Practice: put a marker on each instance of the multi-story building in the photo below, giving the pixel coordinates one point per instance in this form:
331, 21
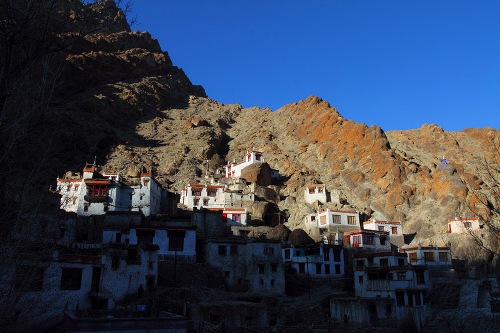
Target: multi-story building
394, 228
333, 220
323, 260
253, 265
96, 193
203, 196
386, 288
428, 255
367, 239
233, 170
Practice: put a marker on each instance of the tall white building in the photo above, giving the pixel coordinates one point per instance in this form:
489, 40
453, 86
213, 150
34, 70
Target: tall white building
97, 193
233, 170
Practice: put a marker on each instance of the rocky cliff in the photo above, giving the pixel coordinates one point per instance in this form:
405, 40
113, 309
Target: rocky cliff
121, 99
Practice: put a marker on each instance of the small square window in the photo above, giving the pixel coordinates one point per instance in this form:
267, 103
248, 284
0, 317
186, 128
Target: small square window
222, 250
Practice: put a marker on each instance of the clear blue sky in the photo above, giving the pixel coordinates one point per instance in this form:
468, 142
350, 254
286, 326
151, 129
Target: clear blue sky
393, 63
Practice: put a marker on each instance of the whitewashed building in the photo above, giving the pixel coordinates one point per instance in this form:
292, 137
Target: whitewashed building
348, 220
96, 193
461, 225
233, 170
386, 288
367, 239
203, 196
253, 265
324, 260
67, 280
394, 228
315, 192
428, 255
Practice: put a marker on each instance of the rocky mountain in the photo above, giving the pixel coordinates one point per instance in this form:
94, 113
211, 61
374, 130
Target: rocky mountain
120, 98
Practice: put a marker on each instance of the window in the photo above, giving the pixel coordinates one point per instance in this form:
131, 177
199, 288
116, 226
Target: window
351, 220
233, 250
429, 256
274, 267
443, 256
420, 276
29, 278
115, 263
326, 254
322, 219
236, 218
214, 319
272, 282
337, 269
197, 192
287, 254
360, 279
356, 240
205, 202
401, 262
336, 219
388, 310
313, 218
384, 262
97, 190
211, 192
222, 250
401, 275
336, 254
412, 257
418, 300
360, 263
196, 201
176, 240
368, 240
380, 228
382, 239
327, 269
71, 278
268, 250
318, 268
261, 268
302, 268
394, 230
400, 298
467, 225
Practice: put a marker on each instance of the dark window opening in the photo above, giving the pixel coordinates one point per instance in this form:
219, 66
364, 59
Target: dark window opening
71, 278
222, 250
400, 298
176, 240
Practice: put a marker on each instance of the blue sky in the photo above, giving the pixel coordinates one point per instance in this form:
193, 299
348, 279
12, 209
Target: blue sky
393, 63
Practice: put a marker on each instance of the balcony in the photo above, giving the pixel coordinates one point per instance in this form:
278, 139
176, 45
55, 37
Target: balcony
96, 198
390, 285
